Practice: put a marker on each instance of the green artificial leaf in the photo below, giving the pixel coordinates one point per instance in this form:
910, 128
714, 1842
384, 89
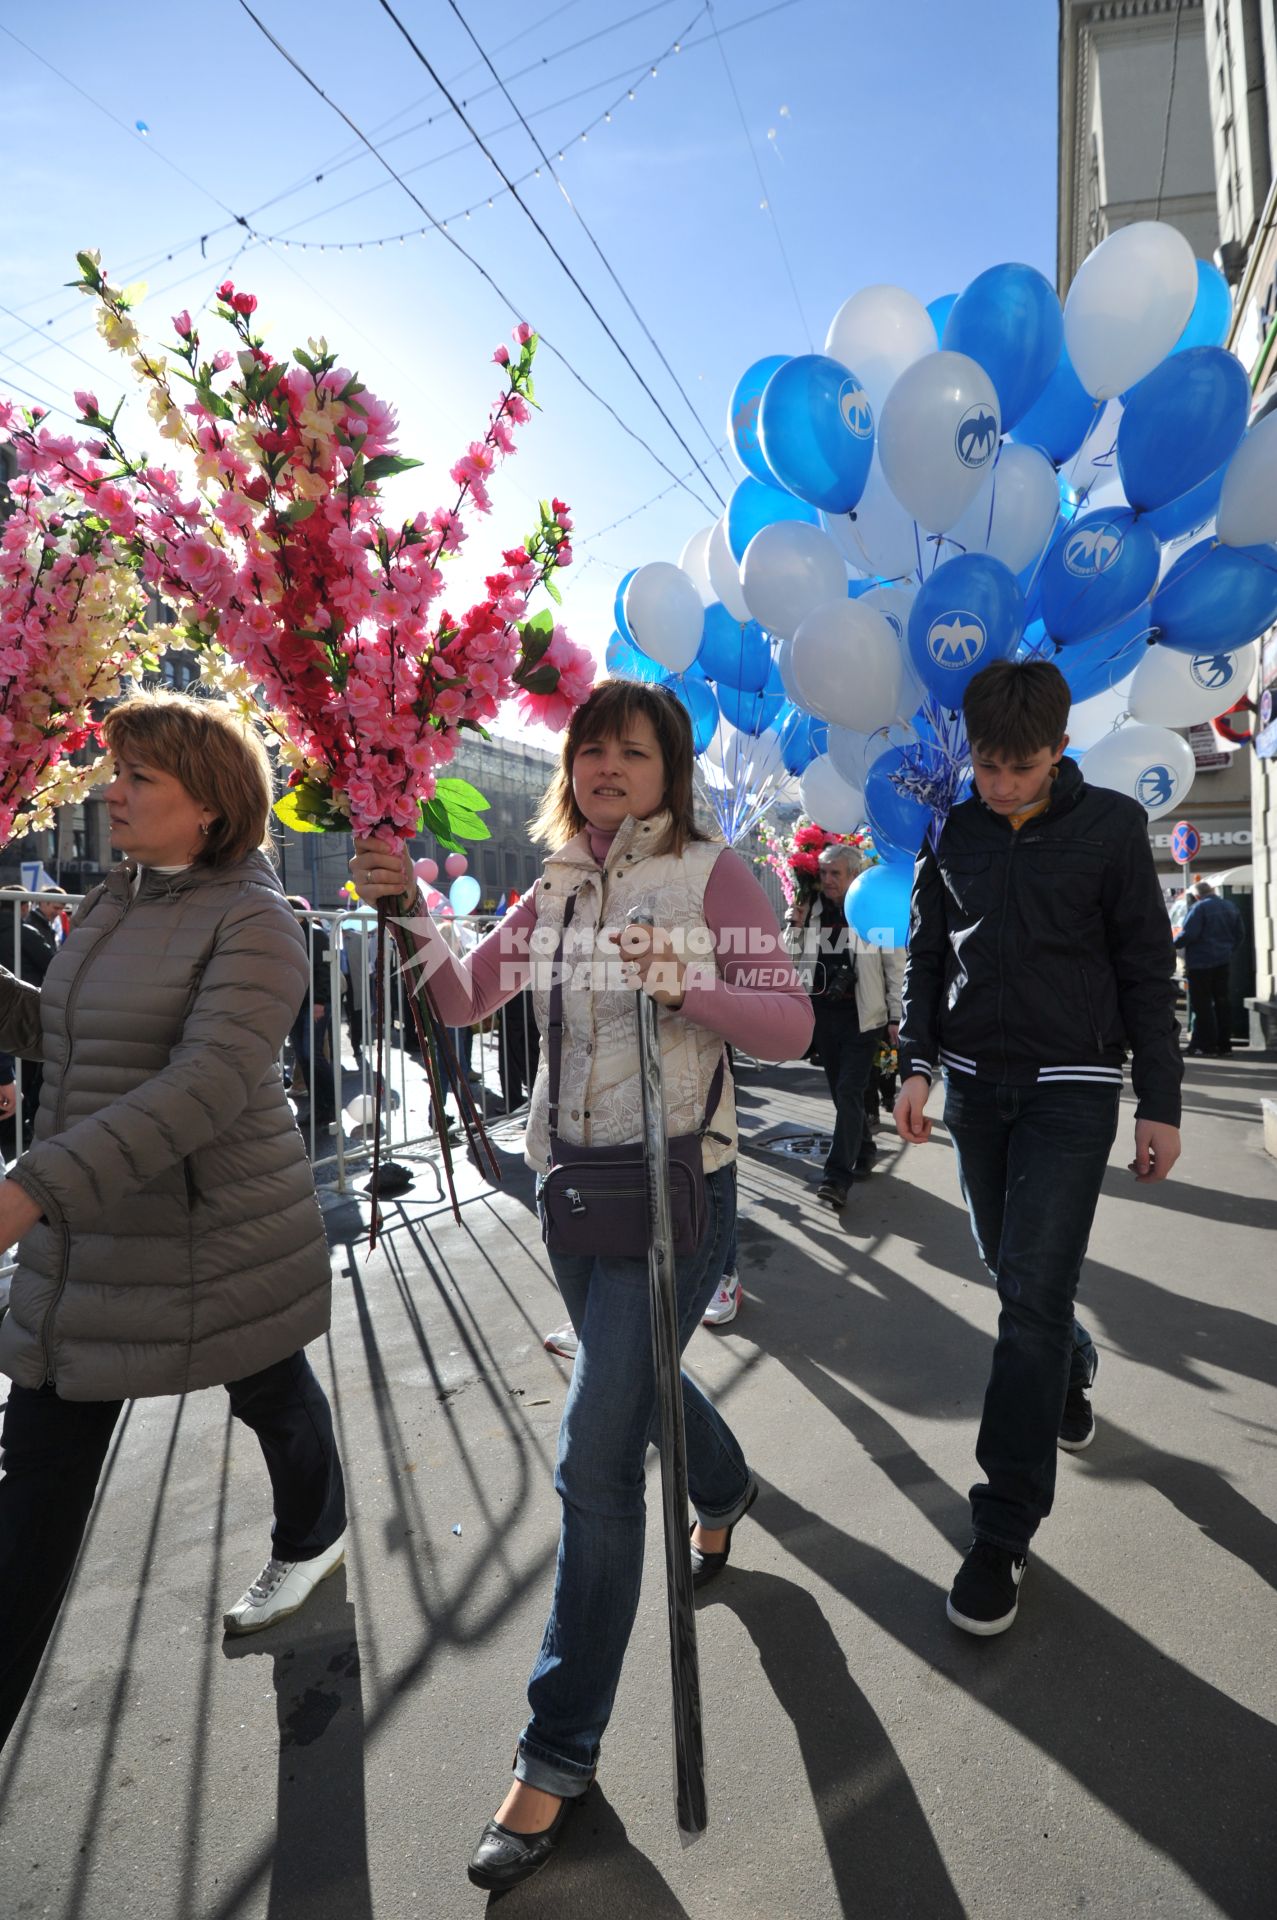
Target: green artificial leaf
308, 809
553, 591
541, 622
299, 510
303, 359
539, 680
385, 464
453, 794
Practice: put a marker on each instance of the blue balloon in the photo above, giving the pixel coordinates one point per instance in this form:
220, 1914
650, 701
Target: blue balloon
897, 820
750, 713
798, 746
1207, 325
735, 655
1097, 572
940, 309
742, 416
699, 700
618, 607
464, 894
1181, 421
966, 615
877, 905
1216, 598
1096, 665
1061, 417
1192, 510
627, 663
817, 431
1009, 321
754, 505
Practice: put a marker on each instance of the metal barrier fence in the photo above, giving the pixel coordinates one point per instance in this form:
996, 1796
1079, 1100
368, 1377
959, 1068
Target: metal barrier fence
329, 1060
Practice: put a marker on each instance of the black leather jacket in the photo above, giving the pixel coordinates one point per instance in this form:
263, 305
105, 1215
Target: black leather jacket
1044, 955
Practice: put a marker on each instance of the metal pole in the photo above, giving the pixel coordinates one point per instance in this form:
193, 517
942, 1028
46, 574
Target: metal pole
689, 1750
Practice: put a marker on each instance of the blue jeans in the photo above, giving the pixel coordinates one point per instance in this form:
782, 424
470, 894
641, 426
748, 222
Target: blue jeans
608, 1422
1031, 1161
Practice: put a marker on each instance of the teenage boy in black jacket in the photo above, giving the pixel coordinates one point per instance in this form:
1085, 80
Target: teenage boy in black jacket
1039, 952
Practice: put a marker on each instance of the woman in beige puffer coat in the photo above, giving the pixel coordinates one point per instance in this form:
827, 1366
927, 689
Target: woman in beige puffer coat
170, 1236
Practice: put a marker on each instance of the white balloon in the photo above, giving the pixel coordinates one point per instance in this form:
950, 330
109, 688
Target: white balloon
1128, 305
848, 653
788, 571
1171, 689
724, 573
877, 536
894, 603
1014, 513
1247, 515
828, 800
1150, 764
877, 334
797, 691
938, 433
1093, 719
663, 611
694, 561
1092, 472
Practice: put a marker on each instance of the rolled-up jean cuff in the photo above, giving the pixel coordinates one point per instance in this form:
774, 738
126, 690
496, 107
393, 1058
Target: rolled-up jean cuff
550, 1773
732, 1514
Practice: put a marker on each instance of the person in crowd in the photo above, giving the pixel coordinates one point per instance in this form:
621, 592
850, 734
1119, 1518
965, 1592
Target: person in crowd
37, 942
1210, 936
1039, 952
315, 1036
855, 992
170, 1235
618, 819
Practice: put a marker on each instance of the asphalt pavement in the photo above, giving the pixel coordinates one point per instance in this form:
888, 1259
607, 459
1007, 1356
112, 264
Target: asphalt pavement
1113, 1755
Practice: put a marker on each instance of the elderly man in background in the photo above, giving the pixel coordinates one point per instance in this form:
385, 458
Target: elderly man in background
855, 993
1211, 933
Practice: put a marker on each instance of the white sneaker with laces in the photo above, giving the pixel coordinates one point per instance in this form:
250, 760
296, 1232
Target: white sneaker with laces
562, 1341
281, 1588
726, 1303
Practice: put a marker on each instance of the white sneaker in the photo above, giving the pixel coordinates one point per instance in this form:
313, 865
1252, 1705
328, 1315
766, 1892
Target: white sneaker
562, 1341
281, 1588
726, 1303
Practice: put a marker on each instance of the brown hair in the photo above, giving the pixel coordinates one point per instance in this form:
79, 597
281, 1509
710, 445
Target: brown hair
1017, 707
613, 706
218, 757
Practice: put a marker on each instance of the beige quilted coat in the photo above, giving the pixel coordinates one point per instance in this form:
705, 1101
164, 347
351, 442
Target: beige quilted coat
182, 1243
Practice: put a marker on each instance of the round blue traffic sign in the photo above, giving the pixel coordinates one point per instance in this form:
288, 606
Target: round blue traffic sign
1185, 842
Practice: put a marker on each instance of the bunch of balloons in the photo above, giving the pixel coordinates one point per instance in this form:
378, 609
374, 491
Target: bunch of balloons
987, 478
463, 895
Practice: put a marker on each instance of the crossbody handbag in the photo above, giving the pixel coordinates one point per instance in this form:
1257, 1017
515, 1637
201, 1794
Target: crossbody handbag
595, 1199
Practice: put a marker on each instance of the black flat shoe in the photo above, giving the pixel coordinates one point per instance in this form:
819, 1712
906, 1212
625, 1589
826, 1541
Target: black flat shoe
503, 1857
707, 1566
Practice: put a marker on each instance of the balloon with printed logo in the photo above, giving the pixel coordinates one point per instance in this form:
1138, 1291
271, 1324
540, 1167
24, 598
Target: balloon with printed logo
897, 819
788, 571
455, 865
877, 334
734, 652
939, 311
464, 894
664, 614
724, 572
938, 434
1098, 571
847, 660
618, 606
1180, 423
828, 800
1148, 764
967, 614
1247, 514
1128, 304
749, 713
1215, 599
754, 505
1061, 417
1171, 689
1009, 321
877, 536
877, 904
742, 416
427, 871
817, 430
694, 561
1012, 516
1207, 325
702, 708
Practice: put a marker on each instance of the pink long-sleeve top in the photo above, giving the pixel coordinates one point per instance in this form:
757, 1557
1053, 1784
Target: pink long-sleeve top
750, 996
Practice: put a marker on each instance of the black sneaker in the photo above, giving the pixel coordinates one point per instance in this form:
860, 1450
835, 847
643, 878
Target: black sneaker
1077, 1424
985, 1595
831, 1193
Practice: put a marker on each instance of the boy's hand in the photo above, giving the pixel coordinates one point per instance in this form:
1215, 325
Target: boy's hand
1156, 1149
911, 1120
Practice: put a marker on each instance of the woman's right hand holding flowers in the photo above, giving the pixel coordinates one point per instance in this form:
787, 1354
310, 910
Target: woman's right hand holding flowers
379, 872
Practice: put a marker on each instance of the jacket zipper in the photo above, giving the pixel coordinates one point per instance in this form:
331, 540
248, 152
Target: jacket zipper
58, 1125
1002, 941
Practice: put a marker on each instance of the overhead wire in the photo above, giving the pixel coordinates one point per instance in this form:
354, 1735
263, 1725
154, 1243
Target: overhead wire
1170, 101
479, 268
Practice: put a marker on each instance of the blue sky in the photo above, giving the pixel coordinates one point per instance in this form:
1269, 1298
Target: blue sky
913, 143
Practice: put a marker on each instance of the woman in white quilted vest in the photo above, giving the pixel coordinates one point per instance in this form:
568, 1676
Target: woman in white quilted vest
170, 1234
619, 818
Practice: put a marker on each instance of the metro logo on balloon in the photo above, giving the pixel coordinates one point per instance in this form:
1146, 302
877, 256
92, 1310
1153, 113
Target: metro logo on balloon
1155, 786
1212, 670
977, 437
956, 640
1093, 550
853, 404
